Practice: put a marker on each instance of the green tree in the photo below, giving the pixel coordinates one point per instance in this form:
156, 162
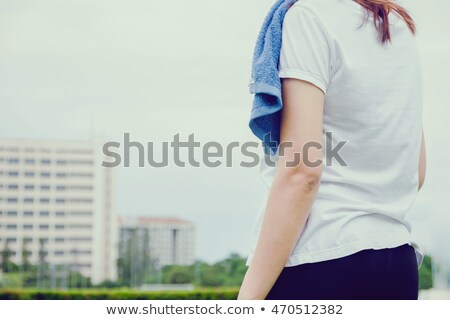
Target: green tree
176, 274
26, 265
235, 269
6, 264
213, 276
41, 273
134, 262
426, 273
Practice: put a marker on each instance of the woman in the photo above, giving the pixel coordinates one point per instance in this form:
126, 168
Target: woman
336, 229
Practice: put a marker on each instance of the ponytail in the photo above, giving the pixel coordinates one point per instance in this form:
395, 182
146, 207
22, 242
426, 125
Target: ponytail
380, 10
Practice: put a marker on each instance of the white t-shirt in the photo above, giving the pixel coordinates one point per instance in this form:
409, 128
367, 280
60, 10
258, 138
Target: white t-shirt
373, 100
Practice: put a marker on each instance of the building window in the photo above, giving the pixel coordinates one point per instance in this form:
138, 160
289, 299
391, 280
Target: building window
45, 174
11, 226
11, 200
81, 187
46, 161
80, 252
80, 239
60, 200
28, 213
60, 213
60, 175
44, 213
29, 187
81, 200
82, 162
27, 239
29, 174
82, 174
44, 200
81, 213
29, 161
81, 226
13, 173
28, 226
59, 226
43, 226
61, 162
11, 213
59, 253
81, 151
44, 240
45, 187
59, 239
11, 239
28, 200
13, 186
60, 188
13, 160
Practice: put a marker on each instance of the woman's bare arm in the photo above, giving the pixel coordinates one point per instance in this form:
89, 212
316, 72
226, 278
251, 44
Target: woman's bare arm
422, 162
293, 190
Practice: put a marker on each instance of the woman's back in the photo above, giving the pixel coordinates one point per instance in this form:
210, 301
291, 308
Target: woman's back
372, 116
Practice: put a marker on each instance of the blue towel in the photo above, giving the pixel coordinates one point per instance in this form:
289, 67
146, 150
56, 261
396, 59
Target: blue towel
265, 82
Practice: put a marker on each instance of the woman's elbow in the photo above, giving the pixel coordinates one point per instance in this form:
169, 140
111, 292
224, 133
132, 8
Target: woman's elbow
302, 178
422, 175
422, 162
422, 170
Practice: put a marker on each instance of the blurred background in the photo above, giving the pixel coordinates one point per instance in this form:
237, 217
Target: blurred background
76, 74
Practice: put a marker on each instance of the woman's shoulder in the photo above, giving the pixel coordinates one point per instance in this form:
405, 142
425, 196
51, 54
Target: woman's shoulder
330, 13
316, 6
321, 9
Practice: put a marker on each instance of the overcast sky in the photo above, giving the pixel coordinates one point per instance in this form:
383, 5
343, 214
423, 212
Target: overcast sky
157, 68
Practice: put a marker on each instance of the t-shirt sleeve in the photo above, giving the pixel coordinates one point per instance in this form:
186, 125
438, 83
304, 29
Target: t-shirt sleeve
305, 49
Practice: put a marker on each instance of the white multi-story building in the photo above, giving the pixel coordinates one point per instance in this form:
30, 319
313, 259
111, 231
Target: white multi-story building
171, 241
57, 201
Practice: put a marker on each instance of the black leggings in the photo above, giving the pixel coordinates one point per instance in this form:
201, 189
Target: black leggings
386, 274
